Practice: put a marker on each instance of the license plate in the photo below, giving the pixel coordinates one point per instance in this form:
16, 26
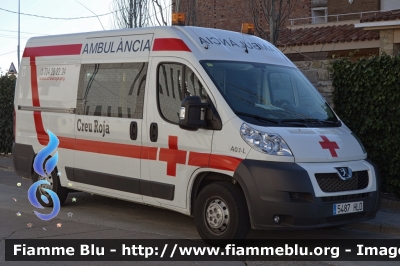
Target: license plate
342, 208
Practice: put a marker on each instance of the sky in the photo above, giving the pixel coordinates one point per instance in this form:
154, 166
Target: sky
34, 26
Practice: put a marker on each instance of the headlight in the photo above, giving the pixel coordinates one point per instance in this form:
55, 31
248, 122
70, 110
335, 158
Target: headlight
270, 143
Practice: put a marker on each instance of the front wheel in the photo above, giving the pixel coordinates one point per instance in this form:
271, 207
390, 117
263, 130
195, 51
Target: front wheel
220, 212
55, 185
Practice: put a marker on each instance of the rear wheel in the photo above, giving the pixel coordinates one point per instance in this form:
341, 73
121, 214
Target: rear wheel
55, 185
221, 213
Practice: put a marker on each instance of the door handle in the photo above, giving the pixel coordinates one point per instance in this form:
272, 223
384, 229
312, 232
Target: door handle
153, 132
133, 130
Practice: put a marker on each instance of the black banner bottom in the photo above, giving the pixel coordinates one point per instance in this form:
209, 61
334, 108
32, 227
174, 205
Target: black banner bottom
198, 250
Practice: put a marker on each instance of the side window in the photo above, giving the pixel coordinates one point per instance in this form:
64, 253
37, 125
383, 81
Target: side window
193, 85
170, 96
175, 82
114, 90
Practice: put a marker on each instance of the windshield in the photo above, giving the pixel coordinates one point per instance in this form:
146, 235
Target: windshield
264, 93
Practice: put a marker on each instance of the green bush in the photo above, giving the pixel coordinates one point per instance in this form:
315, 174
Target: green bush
7, 88
367, 99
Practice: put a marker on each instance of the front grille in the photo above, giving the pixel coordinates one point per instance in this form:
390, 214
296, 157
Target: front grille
330, 182
346, 197
345, 217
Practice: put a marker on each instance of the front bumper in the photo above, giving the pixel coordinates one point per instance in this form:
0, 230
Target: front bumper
287, 190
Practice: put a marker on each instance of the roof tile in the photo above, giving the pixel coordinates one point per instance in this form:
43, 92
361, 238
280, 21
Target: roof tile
322, 35
379, 16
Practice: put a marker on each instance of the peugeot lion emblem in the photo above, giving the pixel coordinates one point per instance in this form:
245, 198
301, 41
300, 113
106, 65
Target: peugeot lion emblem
345, 173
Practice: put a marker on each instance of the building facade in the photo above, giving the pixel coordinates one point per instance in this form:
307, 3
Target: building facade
228, 15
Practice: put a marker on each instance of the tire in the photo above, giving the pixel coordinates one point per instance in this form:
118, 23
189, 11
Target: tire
55, 185
226, 204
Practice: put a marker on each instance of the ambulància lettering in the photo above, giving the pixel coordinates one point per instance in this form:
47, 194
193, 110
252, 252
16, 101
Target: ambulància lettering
95, 127
117, 47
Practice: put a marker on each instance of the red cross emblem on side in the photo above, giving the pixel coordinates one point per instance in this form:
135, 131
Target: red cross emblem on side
172, 155
329, 145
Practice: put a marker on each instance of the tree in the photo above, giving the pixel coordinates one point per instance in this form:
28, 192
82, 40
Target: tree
161, 11
190, 7
140, 13
7, 89
270, 16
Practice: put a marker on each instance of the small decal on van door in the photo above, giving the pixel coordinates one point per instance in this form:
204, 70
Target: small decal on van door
52, 74
239, 150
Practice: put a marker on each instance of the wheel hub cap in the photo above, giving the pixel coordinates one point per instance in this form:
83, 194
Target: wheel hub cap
217, 215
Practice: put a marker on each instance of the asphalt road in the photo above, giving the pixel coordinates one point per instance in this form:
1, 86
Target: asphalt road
97, 217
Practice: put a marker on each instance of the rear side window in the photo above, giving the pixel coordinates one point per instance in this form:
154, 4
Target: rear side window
113, 90
175, 82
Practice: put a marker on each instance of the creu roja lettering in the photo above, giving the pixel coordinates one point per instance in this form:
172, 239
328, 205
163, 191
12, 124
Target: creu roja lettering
117, 47
232, 43
95, 127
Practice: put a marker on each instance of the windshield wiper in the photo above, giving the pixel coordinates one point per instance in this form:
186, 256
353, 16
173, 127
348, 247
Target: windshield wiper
260, 118
312, 121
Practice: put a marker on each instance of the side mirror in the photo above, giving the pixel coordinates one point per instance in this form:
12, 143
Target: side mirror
190, 113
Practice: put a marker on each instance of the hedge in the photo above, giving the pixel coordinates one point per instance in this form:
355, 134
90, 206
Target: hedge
367, 99
7, 88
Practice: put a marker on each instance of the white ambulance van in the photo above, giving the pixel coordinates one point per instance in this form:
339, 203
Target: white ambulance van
215, 124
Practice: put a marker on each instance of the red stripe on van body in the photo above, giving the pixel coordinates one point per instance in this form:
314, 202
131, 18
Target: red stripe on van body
66, 143
170, 44
54, 50
199, 159
215, 161
109, 148
224, 162
42, 136
101, 147
34, 84
149, 153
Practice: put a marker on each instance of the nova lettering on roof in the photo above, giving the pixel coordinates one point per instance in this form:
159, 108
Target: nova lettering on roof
236, 43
